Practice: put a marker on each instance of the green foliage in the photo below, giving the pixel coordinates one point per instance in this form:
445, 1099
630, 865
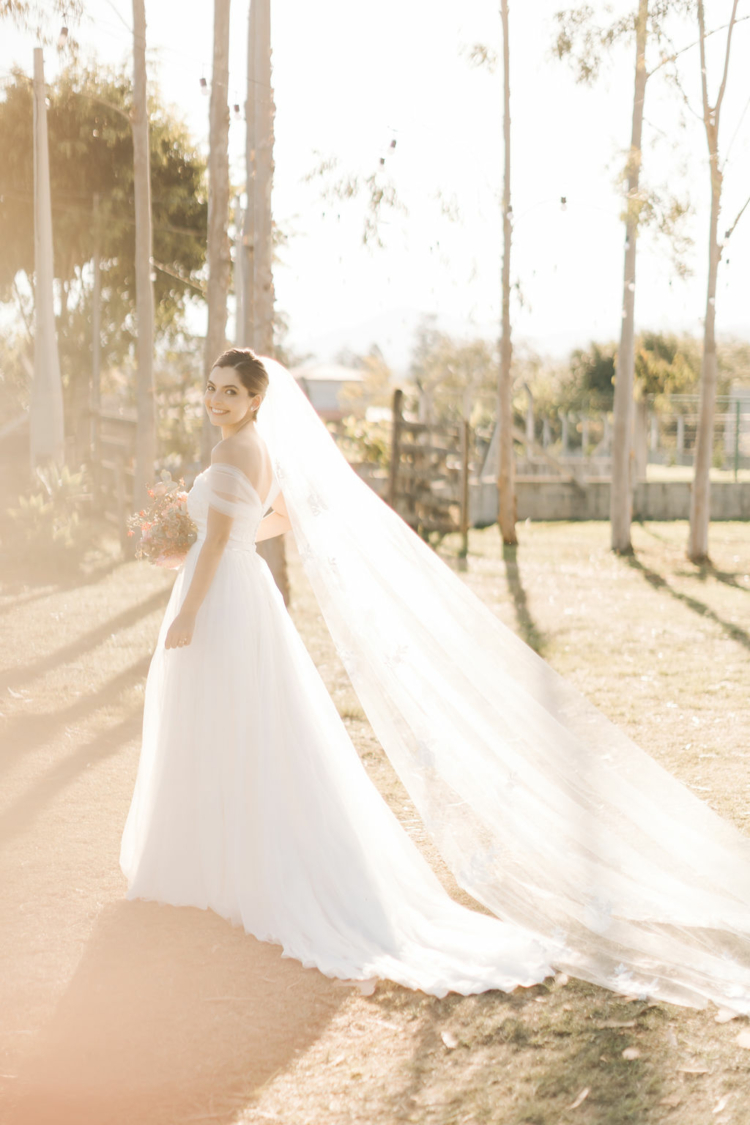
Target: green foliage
666, 365
51, 523
379, 193
91, 154
360, 440
16, 361
450, 371
179, 399
375, 389
592, 376
37, 15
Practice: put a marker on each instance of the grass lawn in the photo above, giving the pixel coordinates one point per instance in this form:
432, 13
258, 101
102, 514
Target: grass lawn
119, 1012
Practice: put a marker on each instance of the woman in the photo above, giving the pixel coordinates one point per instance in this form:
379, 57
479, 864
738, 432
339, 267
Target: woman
250, 798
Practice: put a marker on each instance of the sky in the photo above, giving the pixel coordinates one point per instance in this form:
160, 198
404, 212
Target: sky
349, 79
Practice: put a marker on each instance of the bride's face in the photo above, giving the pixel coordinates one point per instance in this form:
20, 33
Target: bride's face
227, 401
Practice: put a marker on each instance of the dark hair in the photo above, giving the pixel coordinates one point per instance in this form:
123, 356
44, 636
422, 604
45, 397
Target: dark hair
250, 369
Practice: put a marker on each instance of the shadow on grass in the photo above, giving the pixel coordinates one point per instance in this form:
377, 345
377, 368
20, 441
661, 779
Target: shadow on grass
173, 1014
703, 570
527, 627
33, 801
727, 577
659, 582
526, 1063
88, 641
23, 734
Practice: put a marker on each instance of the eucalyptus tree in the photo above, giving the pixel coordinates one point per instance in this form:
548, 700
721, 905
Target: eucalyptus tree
506, 488
257, 305
145, 435
218, 207
585, 42
700, 496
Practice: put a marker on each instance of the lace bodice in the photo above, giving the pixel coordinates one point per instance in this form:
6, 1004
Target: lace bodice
230, 491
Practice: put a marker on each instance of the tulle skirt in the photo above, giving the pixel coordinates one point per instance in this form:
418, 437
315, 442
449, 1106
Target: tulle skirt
251, 800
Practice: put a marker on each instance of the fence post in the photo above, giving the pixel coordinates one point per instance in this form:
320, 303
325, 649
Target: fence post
465, 440
737, 441
398, 396
120, 504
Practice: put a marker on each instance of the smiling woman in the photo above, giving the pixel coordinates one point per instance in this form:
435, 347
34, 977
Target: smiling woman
234, 391
250, 797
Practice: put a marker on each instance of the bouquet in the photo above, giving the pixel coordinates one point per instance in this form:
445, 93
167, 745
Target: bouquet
166, 529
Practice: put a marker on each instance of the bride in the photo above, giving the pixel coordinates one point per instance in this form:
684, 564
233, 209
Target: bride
251, 799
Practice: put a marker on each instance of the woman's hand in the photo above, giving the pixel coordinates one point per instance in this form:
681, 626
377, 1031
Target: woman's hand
180, 632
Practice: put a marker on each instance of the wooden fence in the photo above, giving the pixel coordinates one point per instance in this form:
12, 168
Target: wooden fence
430, 467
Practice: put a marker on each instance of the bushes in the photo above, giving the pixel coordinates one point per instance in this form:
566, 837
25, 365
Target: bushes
51, 528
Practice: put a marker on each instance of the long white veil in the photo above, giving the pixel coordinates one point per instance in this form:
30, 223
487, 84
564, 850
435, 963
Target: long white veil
545, 811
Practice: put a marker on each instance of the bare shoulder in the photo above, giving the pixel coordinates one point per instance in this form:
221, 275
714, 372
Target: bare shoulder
244, 455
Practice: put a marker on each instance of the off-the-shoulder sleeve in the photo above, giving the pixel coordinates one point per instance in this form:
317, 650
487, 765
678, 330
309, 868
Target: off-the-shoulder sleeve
229, 491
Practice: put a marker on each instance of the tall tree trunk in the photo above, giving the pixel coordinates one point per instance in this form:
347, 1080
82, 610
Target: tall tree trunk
700, 500
246, 262
272, 550
218, 209
95, 398
46, 415
621, 494
506, 487
145, 441
264, 137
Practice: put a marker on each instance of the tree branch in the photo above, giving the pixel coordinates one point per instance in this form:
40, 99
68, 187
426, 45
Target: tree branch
728, 233
723, 86
704, 74
671, 58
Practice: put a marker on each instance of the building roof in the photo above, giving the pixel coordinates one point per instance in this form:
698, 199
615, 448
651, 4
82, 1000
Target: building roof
327, 373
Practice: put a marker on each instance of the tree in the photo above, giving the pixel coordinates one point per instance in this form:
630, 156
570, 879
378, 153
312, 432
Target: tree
585, 42
700, 498
46, 424
245, 263
449, 370
263, 181
35, 15
260, 182
620, 505
145, 434
91, 155
506, 465
218, 207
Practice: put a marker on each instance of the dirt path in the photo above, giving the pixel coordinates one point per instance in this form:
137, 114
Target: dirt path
115, 1012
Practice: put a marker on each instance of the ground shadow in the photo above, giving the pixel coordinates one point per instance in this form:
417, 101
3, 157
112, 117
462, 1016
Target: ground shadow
29, 585
77, 648
527, 627
727, 577
535, 1069
703, 570
173, 1015
659, 582
33, 801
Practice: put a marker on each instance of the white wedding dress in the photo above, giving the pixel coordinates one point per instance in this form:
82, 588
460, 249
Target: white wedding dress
251, 798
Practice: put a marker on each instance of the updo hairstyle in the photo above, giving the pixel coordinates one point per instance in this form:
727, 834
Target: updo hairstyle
250, 369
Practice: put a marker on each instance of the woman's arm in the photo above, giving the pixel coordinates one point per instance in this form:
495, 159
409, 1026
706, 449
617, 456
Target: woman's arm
276, 523
218, 527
